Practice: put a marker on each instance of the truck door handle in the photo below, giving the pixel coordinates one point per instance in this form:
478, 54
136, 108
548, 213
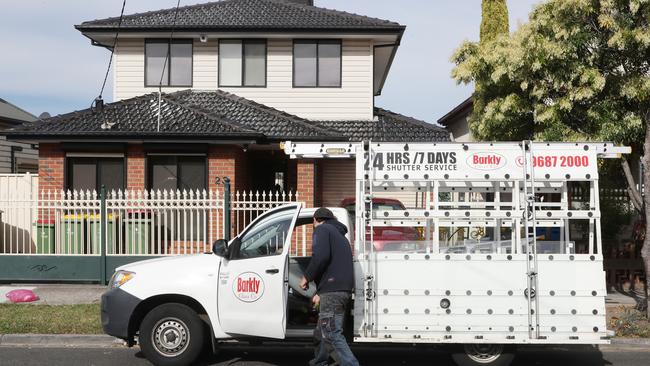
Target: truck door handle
272, 271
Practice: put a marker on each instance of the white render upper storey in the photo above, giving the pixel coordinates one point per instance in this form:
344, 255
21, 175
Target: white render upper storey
314, 63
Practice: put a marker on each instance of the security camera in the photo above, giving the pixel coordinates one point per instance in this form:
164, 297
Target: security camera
203, 38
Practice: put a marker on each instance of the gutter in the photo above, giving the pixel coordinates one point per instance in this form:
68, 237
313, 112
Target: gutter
377, 30
390, 60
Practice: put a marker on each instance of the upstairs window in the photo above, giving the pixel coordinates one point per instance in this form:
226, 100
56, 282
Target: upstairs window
317, 63
177, 71
242, 63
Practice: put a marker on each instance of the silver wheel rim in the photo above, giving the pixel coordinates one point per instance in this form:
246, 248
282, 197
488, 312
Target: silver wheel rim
484, 353
170, 337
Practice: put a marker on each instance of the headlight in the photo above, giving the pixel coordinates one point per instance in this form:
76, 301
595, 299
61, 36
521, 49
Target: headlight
120, 278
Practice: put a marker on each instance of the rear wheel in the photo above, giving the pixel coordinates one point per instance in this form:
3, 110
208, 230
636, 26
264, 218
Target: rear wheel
484, 354
171, 335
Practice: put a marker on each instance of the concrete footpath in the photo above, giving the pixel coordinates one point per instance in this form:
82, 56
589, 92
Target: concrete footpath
71, 294
60, 340
58, 294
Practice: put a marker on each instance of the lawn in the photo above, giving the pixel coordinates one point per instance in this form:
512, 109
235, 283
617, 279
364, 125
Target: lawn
50, 319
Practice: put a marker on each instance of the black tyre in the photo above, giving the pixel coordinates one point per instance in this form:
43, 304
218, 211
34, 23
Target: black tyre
484, 354
172, 335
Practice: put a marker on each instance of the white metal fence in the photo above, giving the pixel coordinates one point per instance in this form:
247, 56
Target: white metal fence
137, 223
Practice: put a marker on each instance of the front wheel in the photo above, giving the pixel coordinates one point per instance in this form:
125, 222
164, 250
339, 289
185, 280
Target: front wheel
484, 354
171, 335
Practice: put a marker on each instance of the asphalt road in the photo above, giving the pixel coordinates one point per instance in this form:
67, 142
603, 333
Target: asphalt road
274, 355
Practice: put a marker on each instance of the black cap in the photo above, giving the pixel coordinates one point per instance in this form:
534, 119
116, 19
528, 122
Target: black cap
323, 213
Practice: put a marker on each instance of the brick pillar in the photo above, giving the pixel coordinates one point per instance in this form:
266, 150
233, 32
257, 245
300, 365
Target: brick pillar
305, 178
135, 160
51, 167
231, 162
51, 170
305, 174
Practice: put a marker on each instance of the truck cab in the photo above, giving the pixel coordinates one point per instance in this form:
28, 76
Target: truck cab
247, 288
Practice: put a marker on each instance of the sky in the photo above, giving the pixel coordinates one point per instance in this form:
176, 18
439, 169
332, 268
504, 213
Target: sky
48, 66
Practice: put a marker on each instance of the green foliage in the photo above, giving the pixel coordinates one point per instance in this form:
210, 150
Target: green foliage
579, 70
494, 20
630, 323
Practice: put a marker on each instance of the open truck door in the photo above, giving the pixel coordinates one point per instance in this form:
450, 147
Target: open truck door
253, 281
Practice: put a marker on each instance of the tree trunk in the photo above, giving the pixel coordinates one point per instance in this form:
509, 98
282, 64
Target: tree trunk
645, 250
635, 195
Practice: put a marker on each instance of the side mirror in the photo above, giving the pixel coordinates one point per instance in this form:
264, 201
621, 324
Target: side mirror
220, 248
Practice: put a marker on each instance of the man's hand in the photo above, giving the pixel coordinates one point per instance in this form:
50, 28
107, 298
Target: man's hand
304, 284
315, 300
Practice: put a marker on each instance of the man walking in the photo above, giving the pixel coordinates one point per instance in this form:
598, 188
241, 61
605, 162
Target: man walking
332, 270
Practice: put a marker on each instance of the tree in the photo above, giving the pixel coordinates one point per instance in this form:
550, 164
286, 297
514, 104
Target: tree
494, 24
578, 70
494, 19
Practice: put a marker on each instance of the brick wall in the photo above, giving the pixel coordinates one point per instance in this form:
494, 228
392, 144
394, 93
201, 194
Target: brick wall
51, 167
305, 174
306, 179
227, 161
135, 168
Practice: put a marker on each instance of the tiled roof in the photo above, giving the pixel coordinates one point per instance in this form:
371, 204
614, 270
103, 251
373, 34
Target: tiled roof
219, 115
388, 127
245, 14
210, 114
251, 116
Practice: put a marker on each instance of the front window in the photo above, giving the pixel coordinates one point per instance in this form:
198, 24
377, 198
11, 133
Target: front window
242, 63
169, 67
91, 173
173, 172
317, 63
267, 236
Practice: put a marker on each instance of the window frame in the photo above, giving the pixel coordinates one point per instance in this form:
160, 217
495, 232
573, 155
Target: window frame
169, 61
339, 42
235, 248
243, 42
149, 168
68, 171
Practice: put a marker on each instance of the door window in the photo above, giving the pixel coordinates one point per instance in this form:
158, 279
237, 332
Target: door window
267, 236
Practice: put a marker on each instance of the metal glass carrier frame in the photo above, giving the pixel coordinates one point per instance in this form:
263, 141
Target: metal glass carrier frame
522, 289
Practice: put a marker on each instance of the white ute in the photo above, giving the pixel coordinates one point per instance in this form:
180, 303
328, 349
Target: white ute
497, 263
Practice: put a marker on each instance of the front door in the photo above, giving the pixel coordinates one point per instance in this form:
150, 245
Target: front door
253, 282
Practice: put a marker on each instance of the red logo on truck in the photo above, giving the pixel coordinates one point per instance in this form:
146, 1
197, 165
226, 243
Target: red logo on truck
486, 161
248, 287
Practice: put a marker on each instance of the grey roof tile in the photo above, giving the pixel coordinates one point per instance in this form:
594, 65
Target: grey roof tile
188, 113
220, 115
245, 14
388, 127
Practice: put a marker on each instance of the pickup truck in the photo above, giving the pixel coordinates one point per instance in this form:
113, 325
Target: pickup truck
245, 289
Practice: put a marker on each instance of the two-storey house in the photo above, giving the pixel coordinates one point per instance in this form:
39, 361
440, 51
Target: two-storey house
237, 78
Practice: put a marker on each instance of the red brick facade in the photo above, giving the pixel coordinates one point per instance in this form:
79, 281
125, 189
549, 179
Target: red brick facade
135, 165
51, 167
305, 174
223, 161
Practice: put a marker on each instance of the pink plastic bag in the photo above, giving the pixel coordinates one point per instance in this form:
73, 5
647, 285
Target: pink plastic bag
22, 296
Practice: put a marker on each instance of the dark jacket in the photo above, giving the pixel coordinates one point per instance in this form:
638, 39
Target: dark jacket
331, 262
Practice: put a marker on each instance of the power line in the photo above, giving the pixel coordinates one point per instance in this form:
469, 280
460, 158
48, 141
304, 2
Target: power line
167, 56
110, 60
